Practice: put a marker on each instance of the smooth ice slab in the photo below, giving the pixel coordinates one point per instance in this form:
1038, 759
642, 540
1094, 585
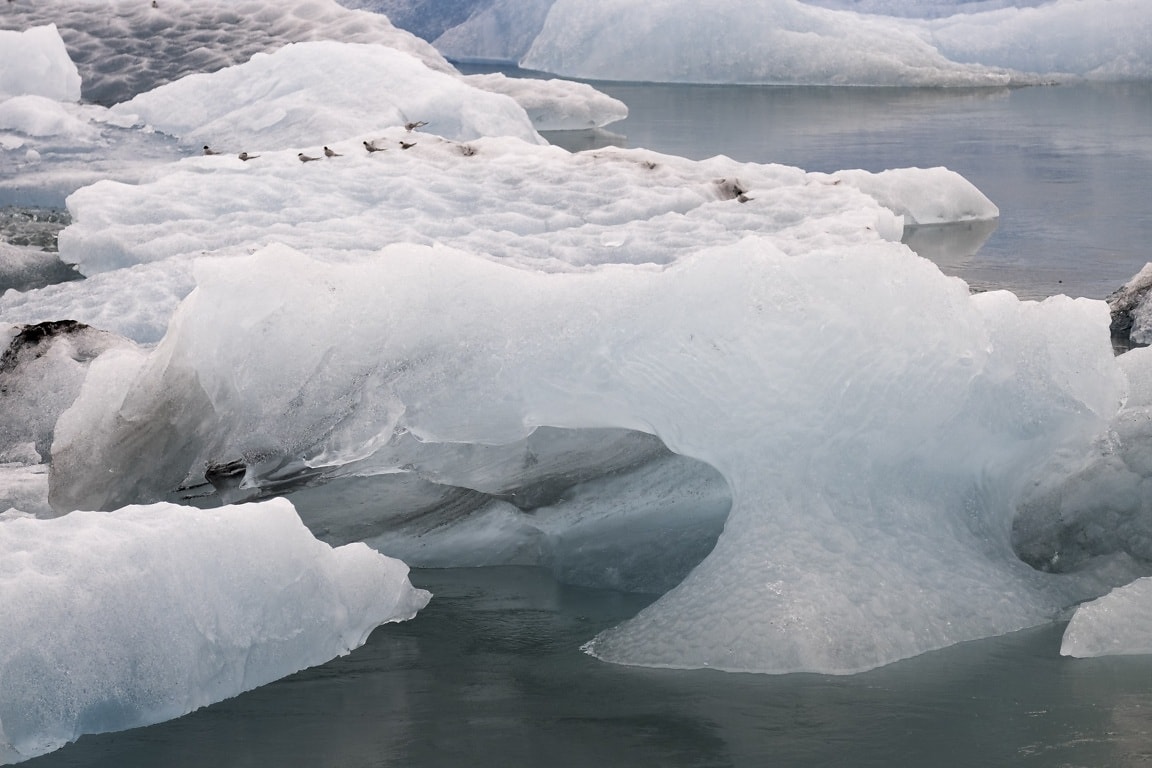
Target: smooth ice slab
115, 620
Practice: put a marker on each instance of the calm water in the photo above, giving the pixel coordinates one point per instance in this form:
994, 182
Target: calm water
490, 674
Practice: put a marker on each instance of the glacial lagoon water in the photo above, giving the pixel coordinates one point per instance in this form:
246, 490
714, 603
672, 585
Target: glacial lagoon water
491, 673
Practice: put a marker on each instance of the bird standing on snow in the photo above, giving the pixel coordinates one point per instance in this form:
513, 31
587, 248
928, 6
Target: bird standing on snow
306, 158
330, 153
371, 147
407, 144
246, 157
209, 151
413, 126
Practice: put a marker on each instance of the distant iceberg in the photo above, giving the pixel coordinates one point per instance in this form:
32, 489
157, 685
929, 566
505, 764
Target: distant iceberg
833, 42
116, 620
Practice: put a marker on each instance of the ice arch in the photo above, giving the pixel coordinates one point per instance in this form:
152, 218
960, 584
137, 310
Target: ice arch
874, 420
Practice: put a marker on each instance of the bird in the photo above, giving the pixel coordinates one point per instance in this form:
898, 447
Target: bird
330, 153
371, 147
412, 126
306, 158
209, 151
407, 144
245, 156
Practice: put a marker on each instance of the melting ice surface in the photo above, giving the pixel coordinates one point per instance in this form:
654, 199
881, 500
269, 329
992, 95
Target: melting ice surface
790, 41
115, 620
434, 346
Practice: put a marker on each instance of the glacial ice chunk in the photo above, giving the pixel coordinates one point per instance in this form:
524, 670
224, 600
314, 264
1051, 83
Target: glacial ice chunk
321, 92
868, 413
1119, 623
35, 63
115, 620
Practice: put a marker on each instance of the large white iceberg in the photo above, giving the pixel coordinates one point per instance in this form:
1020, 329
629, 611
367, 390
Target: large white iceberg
866, 412
115, 620
789, 41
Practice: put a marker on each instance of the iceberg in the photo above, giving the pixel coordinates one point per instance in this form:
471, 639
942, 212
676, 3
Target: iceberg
1119, 623
116, 620
870, 454
34, 62
818, 43
313, 93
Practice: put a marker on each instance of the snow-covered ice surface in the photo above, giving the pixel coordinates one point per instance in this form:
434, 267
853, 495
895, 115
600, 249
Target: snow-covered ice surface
116, 620
828, 43
1119, 623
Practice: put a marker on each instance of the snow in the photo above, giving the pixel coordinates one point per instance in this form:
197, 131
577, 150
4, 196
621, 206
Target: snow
115, 620
828, 43
1119, 623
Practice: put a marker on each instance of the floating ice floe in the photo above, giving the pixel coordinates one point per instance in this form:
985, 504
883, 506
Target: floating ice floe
536, 206
116, 620
555, 105
314, 93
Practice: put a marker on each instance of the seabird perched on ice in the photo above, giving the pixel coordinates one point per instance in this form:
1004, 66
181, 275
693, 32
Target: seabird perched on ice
209, 151
330, 153
371, 147
407, 144
306, 158
413, 126
245, 156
